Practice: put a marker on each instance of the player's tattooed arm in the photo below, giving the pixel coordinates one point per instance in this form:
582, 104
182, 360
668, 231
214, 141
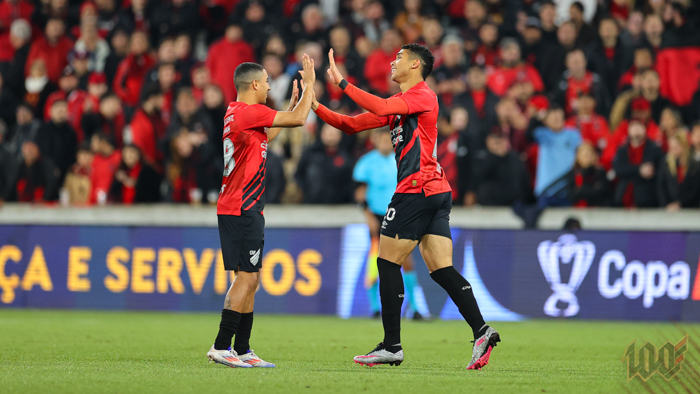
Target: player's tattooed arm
374, 104
298, 115
274, 131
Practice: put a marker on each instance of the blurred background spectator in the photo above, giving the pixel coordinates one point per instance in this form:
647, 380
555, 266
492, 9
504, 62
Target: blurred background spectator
83, 82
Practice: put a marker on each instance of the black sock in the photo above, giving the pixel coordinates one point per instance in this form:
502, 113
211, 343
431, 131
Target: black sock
461, 293
242, 342
391, 294
227, 328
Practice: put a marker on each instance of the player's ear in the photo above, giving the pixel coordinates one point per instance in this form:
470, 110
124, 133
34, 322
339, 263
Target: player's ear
255, 84
415, 63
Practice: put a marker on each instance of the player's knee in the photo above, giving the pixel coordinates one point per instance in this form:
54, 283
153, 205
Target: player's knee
249, 280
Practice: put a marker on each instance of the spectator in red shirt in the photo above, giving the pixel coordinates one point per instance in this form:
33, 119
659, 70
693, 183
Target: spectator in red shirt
53, 49
135, 181
641, 112
148, 130
636, 165
104, 166
486, 54
576, 81
643, 60
512, 68
588, 182
378, 64
225, 55
131, 71
593, 127
66, 84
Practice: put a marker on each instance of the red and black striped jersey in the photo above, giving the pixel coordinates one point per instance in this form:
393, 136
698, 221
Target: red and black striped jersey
245, 153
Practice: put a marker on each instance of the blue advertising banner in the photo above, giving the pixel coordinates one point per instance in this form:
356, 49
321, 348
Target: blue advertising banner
515, 275
160, 269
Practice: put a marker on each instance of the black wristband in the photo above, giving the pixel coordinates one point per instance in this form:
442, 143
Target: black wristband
343, 84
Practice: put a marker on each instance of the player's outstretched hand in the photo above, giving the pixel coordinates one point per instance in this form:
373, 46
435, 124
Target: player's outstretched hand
314, 102
334, 75
295, 95
309, 73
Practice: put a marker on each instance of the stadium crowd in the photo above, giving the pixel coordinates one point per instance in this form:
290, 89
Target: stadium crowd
591, 103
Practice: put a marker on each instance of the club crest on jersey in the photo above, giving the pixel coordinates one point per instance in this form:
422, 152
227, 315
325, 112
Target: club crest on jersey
255, 256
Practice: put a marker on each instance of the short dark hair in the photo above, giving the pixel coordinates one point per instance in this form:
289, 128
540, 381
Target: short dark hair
579, 5
245, 74
427, 60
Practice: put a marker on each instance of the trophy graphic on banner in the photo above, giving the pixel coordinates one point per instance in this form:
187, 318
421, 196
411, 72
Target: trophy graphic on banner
567, 250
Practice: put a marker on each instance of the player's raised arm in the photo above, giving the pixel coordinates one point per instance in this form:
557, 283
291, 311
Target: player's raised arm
368, 101
348, 124
298, 115
293, 101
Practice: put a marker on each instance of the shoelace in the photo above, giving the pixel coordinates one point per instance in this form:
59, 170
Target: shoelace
379, 347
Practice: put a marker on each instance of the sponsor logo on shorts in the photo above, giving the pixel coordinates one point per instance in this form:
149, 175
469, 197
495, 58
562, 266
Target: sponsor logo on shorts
255, 256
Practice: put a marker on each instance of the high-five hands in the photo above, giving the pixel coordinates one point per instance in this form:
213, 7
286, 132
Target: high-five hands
308, 72
334, 75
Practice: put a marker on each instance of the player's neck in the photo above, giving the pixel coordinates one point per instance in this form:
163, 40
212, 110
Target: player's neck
247, 98
411, 82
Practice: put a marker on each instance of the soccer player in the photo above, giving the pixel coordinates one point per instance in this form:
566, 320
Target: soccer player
248, 126
376, 173
420, 208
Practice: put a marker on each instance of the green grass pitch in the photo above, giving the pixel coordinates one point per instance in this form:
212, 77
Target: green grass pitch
151, 352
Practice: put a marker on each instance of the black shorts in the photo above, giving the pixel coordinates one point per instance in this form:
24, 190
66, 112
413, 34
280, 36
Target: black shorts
242, 241
411, 216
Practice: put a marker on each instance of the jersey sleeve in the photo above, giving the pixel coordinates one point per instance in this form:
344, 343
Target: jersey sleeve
351, 124
419, 100
362, 170
255, 116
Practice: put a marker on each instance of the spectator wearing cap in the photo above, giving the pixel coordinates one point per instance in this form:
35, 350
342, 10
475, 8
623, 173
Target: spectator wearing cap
95, 46
608, 56
77, 185
32, 177
378, 64
587, 182
104, 165
8, 103
511, 68
148, 130
487, 52
640, 111
480, 103
679, 175
636, 166
593, 127
449, 77
135, 182
132, 70
56, 138
53, 49
576, 81
13, 68
38, 87
500, 176
108, 119
225, 55
556, 157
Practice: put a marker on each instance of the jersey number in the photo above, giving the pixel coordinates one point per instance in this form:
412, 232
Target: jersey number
229, 162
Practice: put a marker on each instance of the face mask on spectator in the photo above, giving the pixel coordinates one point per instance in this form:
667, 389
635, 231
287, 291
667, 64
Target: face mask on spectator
35, 84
